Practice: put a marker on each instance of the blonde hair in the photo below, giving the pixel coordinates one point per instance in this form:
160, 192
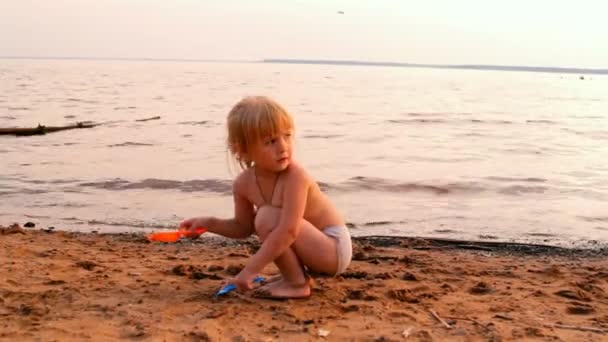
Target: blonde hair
252, 119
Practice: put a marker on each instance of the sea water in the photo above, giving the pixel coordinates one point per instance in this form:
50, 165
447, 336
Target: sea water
463, 154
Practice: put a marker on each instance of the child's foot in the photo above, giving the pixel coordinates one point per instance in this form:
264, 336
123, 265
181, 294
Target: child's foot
277, 277
281, 289
272, 279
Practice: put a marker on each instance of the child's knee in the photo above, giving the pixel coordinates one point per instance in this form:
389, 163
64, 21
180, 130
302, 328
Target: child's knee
266, 219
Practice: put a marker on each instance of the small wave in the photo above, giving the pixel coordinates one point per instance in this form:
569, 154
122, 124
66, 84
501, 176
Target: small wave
415, 121
353, 225
37, 216
471, 134
352, 185
549, 122
520, 189
381, 223
52, 181
422, 114
60, 205
324, 186
72, 99
437, 188
125, 108
420, 120
63, 181
587, 117
208, 185
514, 179
445, 231
447, 217
119, 224
576, 99
445, 160
194, 123
8, 117
598, 135
541, 234
522, 151
322, 136
570, 130
594, 218
379, 184
500, 122
18, 108
130, 143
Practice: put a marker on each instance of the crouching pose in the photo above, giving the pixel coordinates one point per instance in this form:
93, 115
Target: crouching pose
275, 198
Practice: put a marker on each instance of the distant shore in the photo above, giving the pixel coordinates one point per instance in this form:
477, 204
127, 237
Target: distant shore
521, 68
562, 70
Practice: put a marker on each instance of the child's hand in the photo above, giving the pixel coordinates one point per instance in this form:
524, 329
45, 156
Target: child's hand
244, 280
192, 223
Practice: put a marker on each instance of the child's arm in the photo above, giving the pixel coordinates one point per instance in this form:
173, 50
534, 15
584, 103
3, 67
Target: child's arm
230, 228
239, 227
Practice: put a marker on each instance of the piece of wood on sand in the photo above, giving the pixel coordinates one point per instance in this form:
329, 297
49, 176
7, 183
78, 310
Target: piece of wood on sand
437, 317
41, 129
574, 327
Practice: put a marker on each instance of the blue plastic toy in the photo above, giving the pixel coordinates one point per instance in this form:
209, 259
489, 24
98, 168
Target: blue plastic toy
231, 287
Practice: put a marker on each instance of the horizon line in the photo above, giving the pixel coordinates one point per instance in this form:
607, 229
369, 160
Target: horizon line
496, 67
346, 62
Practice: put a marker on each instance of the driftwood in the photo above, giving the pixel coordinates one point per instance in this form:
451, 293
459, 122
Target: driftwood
41, 129
441, 320
574, 327
148, 119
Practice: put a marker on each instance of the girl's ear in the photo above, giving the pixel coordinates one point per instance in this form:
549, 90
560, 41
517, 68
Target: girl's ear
239, 152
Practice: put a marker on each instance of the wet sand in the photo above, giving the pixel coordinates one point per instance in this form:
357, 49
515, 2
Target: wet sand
73, 286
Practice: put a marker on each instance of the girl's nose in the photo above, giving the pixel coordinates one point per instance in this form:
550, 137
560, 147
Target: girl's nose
282, 143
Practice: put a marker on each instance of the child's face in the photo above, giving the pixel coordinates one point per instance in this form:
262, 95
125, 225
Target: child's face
273, 153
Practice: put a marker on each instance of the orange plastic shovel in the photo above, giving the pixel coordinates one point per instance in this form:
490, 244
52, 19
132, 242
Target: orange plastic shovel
176, 235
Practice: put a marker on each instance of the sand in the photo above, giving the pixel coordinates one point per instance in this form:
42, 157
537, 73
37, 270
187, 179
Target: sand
74, 286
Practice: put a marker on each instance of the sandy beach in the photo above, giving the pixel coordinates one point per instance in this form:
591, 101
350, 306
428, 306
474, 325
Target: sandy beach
63, 286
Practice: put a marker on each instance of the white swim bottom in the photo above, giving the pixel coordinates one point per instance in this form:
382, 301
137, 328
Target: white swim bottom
344, 246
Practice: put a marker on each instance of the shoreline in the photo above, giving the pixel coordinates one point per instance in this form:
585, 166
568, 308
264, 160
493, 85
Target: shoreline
565, 246
85, 286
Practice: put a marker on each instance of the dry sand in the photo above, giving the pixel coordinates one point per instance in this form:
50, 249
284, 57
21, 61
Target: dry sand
73, 287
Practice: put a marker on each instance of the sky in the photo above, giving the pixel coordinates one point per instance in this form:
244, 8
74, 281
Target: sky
564, 33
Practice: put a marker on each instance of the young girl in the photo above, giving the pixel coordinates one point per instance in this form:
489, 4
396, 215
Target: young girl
275, 198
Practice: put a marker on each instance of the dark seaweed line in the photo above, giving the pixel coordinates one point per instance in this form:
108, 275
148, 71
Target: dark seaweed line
493, 246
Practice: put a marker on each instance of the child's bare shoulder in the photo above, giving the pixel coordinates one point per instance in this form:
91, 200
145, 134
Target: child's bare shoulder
241, 182
297, 173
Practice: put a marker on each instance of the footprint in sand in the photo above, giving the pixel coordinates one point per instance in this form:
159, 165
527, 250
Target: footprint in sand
580, 309
481, 288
